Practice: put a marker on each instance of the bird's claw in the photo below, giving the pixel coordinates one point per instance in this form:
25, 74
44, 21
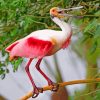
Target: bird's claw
36, 92
55, 87
35, 95
40, 90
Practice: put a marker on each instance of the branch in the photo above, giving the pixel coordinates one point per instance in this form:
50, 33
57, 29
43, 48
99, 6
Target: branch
28, 95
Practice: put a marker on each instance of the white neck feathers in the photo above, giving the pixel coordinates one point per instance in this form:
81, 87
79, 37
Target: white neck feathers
66, 28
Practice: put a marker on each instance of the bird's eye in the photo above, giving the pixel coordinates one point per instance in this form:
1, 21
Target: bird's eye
53, 10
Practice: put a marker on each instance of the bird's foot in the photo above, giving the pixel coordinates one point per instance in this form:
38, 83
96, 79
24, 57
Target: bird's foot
55, 86
36, 92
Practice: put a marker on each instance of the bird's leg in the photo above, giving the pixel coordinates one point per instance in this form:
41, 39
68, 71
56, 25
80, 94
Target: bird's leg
36, 90
55, 86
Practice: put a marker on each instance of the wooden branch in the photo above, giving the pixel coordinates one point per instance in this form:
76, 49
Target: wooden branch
28, 95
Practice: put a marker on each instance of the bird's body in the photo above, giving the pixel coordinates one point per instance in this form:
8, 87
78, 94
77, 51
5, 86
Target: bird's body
41, 43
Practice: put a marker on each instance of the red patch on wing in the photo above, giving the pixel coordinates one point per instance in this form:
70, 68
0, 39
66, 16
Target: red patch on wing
37, 42
9, 48
40, 47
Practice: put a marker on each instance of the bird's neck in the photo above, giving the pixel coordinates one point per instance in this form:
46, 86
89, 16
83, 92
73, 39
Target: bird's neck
66, 28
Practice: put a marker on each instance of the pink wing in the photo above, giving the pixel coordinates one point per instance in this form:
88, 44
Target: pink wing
30, 48
9, 48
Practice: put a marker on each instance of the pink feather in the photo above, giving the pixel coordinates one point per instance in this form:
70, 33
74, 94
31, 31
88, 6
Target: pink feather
9, 48
30, 48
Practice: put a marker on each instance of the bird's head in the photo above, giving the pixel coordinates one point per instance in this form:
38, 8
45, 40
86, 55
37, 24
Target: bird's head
60, 13
56, 12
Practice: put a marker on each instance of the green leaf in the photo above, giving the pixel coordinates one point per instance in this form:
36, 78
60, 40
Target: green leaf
91, 25
14, 32
93, 48
2, 71
97, 32
16, 64
83, 39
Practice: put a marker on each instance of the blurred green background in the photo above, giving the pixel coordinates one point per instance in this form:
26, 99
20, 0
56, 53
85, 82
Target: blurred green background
19, 18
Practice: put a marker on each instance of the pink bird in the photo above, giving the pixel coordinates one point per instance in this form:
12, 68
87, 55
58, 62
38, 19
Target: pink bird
43, 43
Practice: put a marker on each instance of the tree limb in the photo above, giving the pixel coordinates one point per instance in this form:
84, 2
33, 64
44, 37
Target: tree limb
28, 95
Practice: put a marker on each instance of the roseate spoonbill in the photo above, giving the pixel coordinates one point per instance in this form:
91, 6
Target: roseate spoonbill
43, 43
